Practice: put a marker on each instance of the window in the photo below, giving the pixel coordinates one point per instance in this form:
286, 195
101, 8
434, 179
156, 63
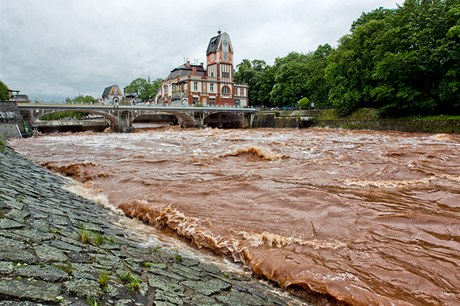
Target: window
212, 74
211, 87
212, 101
195, 86
226, 75
225, 90
195, 100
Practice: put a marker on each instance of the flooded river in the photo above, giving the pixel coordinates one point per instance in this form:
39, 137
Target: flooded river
365, 217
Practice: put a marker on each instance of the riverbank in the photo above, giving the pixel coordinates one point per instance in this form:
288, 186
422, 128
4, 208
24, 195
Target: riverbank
59, 248
362, 119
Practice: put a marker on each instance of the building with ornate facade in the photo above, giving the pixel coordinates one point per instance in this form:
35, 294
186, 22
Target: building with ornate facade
112, 94
213, 85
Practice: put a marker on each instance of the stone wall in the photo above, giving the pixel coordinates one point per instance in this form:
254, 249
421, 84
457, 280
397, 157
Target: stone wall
9, 130
10, 120
407, 125
9, 112
306, 120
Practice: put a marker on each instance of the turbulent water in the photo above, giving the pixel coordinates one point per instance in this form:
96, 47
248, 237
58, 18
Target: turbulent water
365, 217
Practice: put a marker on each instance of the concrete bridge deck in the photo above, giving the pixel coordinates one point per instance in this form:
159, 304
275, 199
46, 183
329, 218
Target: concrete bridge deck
121, 117
58, 106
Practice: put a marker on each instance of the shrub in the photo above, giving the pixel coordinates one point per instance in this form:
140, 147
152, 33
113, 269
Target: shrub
304, 103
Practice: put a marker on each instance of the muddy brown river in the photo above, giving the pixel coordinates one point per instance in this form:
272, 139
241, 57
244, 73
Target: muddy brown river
366, 217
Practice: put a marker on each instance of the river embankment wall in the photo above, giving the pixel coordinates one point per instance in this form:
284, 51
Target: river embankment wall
306, 120
60, 248
10, 120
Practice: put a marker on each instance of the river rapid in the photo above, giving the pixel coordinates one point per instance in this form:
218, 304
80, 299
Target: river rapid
367, 217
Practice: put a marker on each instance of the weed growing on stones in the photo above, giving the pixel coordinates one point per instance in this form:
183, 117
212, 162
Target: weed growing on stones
98, 238
147, 264
68, 268
103, 279
57, 232
2, 145
93, 302
87, 236
134, 282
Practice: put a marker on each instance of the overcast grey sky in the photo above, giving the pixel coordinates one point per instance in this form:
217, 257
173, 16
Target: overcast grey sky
53, 49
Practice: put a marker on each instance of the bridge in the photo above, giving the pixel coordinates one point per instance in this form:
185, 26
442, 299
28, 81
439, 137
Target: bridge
121, 117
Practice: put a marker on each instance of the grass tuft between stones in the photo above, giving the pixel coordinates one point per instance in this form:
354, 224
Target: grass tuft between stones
103, 279
66, 267
134, 282
88, 236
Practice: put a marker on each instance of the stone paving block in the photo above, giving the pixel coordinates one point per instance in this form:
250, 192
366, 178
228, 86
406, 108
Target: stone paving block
240, 298
33, 290
207, 287
34, 235
17, 254
41, 225
84, 288
204, 300
46, 273
165, 285
167, 274
6, 267
9, 224
23, 303
66, 246
162, 296
186, 272
17, 215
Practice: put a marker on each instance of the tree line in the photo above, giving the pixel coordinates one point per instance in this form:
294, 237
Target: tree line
404, 61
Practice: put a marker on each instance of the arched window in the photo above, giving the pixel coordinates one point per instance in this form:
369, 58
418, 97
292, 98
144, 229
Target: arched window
225, 90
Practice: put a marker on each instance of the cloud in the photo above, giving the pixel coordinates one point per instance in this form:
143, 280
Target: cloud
58, 48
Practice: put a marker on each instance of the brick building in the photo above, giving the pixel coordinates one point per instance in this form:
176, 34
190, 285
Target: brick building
213, 85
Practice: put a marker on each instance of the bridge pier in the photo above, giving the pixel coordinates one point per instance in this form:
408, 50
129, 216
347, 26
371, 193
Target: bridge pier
125, 121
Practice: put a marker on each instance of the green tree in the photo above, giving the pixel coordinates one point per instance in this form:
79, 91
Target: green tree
258, 76
414, 75
291, 78
136, 87
4, 94
404, 61
143, 89
317, 87
350, 67
80, 99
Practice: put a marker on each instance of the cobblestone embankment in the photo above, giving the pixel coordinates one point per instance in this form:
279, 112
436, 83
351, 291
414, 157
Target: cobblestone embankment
59, 248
